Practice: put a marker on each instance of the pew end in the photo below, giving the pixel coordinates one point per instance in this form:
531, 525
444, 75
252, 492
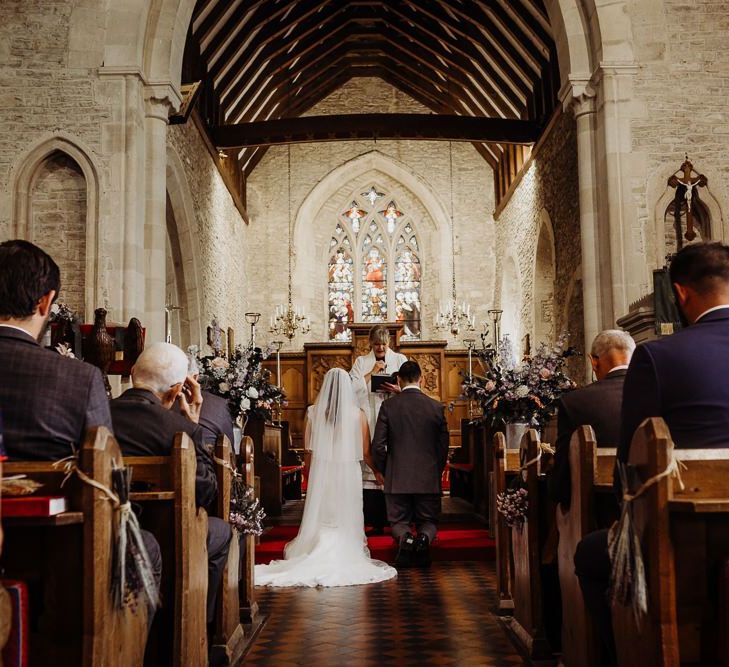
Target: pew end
169, 511
681, 531
230, 639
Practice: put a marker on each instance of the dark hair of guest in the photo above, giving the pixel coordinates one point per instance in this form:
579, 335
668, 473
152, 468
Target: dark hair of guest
702, 266
409, 372
26, 274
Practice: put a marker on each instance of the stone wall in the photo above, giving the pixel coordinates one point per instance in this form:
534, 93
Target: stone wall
681, 107
212, 239
545, 202
325, 177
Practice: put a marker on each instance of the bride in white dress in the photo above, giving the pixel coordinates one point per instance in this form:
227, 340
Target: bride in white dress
331, 548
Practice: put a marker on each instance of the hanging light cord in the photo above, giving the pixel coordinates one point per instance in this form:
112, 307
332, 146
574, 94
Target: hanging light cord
288, 198
453, 233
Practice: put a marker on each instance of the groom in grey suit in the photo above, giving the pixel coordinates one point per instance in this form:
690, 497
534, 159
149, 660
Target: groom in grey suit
411, 446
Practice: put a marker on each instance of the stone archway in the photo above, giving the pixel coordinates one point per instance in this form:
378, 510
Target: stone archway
183, 275
25, 176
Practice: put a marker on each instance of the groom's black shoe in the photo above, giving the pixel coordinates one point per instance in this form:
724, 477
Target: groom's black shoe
405, 552
421, 551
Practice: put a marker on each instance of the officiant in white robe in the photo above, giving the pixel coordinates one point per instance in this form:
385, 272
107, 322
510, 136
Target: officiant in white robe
380, 360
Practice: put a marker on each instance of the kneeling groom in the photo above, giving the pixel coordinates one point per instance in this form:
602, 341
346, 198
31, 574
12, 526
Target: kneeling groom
411, 446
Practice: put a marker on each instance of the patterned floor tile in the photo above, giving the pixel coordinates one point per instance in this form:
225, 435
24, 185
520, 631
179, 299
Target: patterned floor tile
439, 616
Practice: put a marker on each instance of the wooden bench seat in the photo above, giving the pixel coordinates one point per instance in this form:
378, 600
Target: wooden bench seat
70, 557
169, 511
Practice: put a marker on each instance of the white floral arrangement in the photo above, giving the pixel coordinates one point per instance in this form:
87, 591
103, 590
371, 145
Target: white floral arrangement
241, 380
520, 392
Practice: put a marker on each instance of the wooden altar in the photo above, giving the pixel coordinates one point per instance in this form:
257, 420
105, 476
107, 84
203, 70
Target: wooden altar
302, 374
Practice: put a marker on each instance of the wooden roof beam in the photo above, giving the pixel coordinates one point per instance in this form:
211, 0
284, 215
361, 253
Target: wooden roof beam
344, 127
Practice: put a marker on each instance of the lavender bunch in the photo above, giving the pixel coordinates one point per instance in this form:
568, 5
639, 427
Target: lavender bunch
246, 514
512, 504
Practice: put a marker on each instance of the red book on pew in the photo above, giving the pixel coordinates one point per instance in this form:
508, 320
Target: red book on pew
33, 506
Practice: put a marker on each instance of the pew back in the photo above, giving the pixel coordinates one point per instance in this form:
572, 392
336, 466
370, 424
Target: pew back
229, 635
248, 604
170, 512
109, 635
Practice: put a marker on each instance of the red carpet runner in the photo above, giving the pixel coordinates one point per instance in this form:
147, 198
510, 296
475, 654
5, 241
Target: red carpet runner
455, 541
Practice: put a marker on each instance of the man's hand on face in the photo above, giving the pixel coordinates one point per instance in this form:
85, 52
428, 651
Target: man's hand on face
191, 399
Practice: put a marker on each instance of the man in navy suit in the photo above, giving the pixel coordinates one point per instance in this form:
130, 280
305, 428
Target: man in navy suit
682, 378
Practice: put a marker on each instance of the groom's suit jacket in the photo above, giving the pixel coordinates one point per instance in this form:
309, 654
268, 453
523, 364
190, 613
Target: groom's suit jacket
411, 443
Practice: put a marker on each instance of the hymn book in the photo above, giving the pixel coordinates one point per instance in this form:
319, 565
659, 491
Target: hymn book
33, 506
376, 381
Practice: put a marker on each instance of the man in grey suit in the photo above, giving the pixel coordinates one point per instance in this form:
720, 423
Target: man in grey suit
411, 446
47, 401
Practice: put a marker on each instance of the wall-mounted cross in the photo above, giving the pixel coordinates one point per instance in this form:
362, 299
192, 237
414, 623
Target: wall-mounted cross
688, 179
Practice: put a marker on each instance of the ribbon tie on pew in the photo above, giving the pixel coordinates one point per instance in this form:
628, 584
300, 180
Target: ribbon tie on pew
627, 576
138, 576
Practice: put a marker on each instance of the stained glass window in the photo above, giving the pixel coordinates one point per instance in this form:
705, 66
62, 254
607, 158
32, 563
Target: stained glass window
366, 247
341, 293
374, 286
407, 292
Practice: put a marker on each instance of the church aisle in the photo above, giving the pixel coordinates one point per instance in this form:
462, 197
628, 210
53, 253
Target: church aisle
439, 616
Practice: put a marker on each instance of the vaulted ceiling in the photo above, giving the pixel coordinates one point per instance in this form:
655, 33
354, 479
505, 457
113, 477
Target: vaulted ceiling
270, 59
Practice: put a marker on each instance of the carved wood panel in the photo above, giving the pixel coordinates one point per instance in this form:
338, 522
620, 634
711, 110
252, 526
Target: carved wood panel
430, 367
319, 365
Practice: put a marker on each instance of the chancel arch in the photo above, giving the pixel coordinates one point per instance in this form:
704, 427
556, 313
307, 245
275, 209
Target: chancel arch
55, 204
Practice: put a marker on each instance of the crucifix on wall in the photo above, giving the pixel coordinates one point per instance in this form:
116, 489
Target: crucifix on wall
685, 180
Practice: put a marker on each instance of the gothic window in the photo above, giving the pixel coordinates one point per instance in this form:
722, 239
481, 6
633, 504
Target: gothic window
374, 267
341, 287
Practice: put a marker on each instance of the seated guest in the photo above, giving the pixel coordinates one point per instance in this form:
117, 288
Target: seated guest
681, 378
145, 426
47, 401
215, 416
597, 405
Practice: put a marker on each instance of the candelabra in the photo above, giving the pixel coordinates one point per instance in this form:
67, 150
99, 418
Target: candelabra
287, 320
252, 319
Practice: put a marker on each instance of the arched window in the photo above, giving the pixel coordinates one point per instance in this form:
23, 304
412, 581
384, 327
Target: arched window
374, 267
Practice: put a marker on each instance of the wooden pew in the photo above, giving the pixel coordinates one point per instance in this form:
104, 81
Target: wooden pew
685, 539
590, 468
527, 623
230, 637
169, 511
248, 604
72, 554
506, 462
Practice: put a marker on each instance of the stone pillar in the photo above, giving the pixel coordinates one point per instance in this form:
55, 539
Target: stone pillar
627, 255
580, 97
157, 110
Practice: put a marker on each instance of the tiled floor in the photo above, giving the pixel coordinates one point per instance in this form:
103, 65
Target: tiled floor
438, 616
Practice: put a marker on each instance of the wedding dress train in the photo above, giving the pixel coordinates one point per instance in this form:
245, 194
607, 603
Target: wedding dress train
330, 548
